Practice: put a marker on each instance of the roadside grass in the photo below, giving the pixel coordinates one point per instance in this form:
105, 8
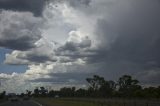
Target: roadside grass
2, 100
64, 102
96, 102
78, 102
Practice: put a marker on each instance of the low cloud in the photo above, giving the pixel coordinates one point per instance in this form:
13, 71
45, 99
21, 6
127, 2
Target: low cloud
19, 31
34, 6
32, 56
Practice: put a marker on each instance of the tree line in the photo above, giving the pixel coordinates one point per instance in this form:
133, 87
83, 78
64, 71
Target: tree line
98, 87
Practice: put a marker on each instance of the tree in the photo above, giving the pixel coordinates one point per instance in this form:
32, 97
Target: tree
95, 83
22, 95
43, 91
28, 92
107, 88
158, 91
150, 92
127, 85
2, 95
99, 87
81, 93
36, 91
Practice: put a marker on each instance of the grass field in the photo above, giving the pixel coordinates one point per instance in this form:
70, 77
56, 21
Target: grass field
64, 102
95, 102
2, 100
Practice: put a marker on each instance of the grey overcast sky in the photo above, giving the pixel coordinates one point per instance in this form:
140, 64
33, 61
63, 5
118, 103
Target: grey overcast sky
61, 42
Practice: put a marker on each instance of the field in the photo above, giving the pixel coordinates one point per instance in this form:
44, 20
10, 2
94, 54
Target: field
95, 102
2, 100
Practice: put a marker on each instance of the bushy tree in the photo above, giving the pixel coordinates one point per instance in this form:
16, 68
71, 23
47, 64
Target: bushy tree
43, 91
36, 92
67, 92
95, 83
81, 93
28, 93
2, 95
99, 87
107, 88
128, 85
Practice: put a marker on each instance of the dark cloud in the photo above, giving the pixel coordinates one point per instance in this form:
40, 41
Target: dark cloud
129, 42
128, 38
75, 46
32, 56
38, 58
77, 3
150, 77
35, 6
135, 38
23, 43
73, 50
62, 78
19, 31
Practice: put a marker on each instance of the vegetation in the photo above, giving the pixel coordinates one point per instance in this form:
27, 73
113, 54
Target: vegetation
2, 95
98, 87
125, 92
96, 102
65, 102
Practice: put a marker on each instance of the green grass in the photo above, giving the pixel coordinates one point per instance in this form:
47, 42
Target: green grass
64, 102
96, 102
2, 100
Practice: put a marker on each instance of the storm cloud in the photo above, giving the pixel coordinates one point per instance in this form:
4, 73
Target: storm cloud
34, 6
19, 31
127, 36
134, 35
105, 37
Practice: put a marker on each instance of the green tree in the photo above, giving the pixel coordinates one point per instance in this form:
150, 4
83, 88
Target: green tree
158, 91
151, 92
43, 91
28, 92
128, 85
81, 93
95, 83
107, 88
2, 95
67, 92
99, 87
36, 92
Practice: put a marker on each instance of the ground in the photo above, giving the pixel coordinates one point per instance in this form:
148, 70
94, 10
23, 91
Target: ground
97, 102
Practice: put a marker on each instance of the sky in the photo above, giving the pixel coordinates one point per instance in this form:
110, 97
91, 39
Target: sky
57, 43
